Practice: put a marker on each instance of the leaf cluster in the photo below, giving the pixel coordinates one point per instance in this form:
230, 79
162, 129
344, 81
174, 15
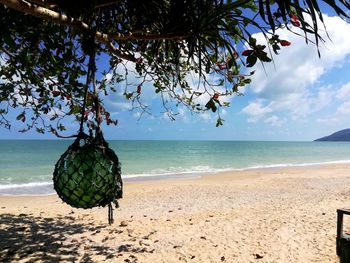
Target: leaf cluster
43, 62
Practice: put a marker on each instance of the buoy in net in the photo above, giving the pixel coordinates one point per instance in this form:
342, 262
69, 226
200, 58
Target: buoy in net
88, 175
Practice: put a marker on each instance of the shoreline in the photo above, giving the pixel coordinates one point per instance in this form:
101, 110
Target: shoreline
180, 176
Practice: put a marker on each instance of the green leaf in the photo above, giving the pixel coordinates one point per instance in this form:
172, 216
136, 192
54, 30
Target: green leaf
251, 60
40, 130
211, 105
20, 116
252, 42
61, 127
219, 122
128, 95
247, 81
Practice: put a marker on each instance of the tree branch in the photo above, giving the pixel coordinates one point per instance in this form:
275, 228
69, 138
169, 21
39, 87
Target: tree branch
45, 3
153, 36
53, 16
49, 15
104, 3
53, 3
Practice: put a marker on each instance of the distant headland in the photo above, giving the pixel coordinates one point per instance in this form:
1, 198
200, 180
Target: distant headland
343, 135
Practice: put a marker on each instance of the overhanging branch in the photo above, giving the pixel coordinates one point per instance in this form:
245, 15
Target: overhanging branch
45, 3
33, 8
53, 3
53, 16
49, 15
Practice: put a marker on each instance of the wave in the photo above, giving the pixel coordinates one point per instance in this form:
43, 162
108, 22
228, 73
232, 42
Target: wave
45, 188
173, 171
33, 184
33, 188
194, 170
292, 165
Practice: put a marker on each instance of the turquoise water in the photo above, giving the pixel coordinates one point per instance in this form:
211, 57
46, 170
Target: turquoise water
26, 166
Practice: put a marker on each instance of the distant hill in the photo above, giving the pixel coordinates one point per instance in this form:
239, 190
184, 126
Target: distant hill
343, 135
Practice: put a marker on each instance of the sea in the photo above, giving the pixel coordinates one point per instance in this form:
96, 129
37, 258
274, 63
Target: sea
26, 166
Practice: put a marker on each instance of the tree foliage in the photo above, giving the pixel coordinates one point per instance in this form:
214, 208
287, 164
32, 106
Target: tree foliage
45, 46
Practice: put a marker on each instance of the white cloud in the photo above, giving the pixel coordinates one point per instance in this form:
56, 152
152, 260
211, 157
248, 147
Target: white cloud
344, 92
206, 116
328, 120
108, 77
298, 65
137, 114
257, 110
344, 109
182, 114
121, 106
340, 97
295, 106
274, 121
293, 88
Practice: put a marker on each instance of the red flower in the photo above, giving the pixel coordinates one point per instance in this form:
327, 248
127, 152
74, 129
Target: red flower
56, 93
285, 43
139, 89
235, 55
216, 96
139, 60
247, 52
221, 66
295, 20
297, 23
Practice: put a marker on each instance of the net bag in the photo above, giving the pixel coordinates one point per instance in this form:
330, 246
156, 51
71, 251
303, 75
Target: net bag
88, 174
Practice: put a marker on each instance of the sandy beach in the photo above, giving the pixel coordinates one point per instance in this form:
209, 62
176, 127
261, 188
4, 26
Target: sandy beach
266, 215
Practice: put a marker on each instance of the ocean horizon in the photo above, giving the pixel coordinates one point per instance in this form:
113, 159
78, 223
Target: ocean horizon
26, 166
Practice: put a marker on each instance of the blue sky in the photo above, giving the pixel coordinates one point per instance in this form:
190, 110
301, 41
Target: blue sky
303, 98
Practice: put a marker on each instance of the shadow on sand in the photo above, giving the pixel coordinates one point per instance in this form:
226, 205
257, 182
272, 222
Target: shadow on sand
64, 239
43, 239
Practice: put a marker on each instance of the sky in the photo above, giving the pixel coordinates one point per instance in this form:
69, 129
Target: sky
301, 98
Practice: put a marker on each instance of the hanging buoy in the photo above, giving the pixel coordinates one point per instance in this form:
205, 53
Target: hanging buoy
88, 174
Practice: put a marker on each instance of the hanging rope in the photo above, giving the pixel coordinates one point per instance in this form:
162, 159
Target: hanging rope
110, 214
98, 119
97, 108
90, 76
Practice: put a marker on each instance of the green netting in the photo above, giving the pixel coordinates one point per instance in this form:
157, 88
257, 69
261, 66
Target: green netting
88, 176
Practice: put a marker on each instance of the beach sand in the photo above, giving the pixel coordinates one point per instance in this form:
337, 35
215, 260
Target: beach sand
266, 215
